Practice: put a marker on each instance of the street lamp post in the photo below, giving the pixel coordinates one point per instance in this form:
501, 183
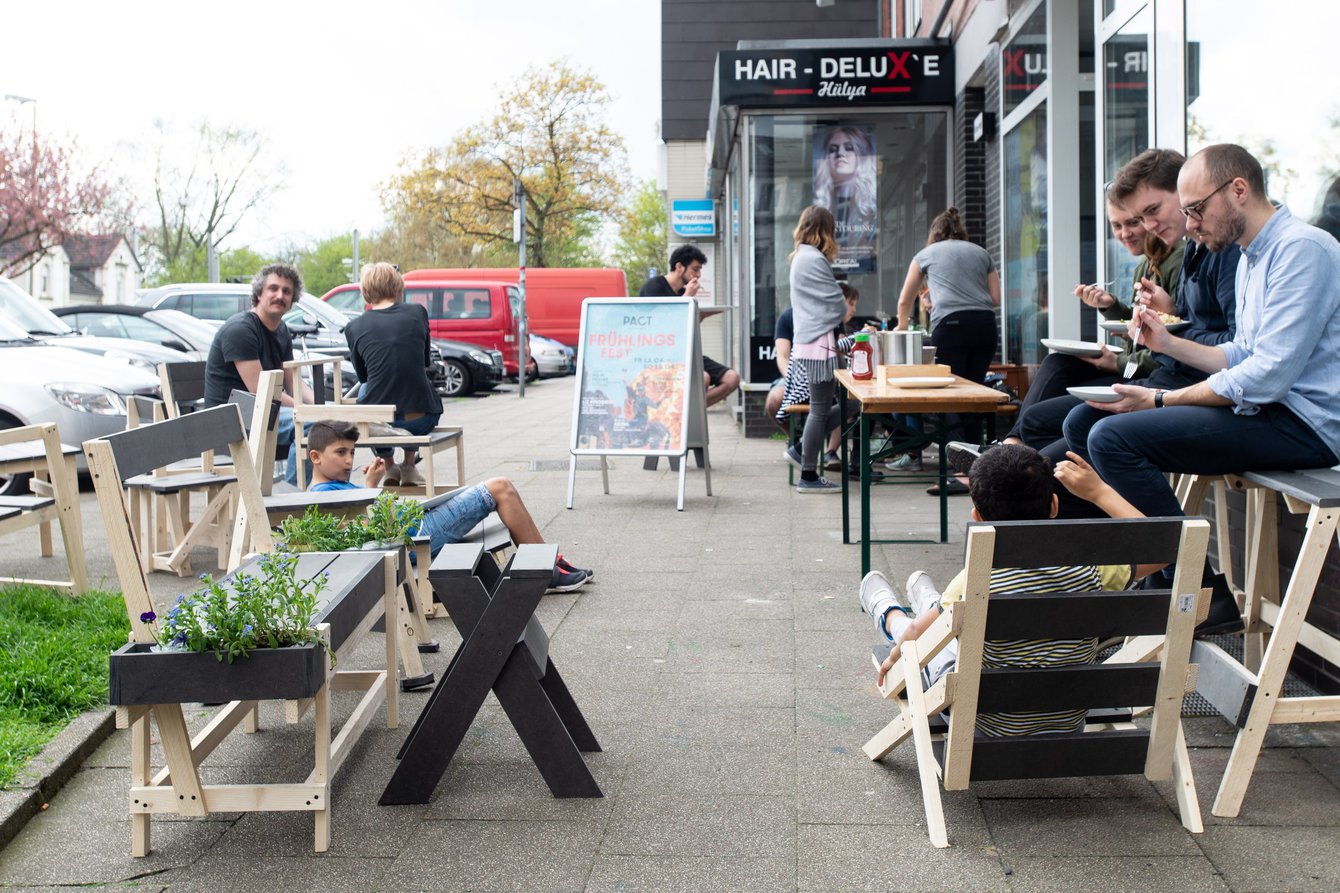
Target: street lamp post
519, 235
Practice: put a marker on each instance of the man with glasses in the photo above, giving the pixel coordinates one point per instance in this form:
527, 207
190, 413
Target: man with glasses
1270, 400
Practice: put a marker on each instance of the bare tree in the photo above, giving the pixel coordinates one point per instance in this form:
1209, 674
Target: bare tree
203, 191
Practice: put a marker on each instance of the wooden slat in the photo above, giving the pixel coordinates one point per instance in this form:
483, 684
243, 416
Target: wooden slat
181, 383
1105, 541
1314, 486
141, 450
1120, 752
1067, 688
1073, 615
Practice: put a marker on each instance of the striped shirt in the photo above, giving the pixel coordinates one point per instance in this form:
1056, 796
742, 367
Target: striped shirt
998, 653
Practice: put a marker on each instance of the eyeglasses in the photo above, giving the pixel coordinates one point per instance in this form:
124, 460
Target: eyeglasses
1196, 210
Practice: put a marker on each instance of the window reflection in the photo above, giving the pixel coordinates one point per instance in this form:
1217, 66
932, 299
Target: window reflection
1233, 96
1125, 118
1025, 294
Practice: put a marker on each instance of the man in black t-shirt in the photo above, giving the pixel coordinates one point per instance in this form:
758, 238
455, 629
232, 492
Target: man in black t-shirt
257, 341
686, 267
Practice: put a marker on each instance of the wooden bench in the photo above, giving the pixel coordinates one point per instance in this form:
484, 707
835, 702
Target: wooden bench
37, 450
1249, 693
362, 590
366, 416
1163, 619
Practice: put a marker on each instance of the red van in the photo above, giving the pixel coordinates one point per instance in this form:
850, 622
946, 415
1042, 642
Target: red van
475, 311
554, 295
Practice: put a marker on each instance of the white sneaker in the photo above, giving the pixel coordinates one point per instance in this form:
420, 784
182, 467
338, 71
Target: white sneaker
409, 475
877, 595
921, 592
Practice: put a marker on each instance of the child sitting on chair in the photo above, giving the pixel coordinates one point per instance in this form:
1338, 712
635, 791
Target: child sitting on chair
1009, 483
331, 448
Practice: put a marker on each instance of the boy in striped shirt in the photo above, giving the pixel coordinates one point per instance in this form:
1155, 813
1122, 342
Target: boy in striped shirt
1009, 483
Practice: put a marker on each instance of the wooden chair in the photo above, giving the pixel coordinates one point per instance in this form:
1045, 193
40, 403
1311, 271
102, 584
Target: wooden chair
328, 405
1161, 623
37, 450
360, 598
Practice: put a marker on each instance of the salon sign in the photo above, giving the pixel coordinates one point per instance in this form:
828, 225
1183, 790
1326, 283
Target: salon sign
891, 73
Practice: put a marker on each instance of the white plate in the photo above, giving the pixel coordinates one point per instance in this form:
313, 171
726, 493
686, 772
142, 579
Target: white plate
1118, 326
1103, 394
935, 381
1073, 348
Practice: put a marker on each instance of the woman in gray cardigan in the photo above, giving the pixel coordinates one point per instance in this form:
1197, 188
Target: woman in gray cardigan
817, 310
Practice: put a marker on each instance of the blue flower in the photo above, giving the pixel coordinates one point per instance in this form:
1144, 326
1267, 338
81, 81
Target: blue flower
148, 617
180, 640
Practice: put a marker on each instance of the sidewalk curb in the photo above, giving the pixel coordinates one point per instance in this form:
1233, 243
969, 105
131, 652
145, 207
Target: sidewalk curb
46, 773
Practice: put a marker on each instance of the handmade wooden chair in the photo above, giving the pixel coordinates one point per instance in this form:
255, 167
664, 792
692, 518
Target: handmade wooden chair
1160, 622
362, 590
371, 419
37, 450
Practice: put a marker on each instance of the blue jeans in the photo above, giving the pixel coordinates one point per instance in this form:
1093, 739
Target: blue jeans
420, 426
1131, 451
284, 437
452, 520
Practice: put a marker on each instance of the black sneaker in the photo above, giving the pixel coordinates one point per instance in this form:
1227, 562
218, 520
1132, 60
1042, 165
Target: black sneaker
566, 581
960, 455
563, 564
855, 474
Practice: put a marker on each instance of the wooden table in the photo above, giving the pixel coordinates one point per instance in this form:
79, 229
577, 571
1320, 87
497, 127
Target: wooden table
931, 404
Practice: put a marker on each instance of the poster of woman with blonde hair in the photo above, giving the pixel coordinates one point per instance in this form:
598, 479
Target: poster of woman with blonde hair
845, 183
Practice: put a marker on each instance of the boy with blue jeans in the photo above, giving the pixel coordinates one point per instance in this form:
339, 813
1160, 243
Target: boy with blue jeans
331, 447
1011, 482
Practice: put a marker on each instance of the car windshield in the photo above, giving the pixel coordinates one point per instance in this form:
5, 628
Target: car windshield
10, 332
22, 310
199, 333
326, 315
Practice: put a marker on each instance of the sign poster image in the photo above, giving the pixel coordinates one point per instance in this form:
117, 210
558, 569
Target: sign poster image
635, 368
845, 183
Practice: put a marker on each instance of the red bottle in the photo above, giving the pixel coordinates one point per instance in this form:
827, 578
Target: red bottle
862, 359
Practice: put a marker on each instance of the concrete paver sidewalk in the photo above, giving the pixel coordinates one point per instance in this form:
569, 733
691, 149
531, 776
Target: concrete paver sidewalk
722, 660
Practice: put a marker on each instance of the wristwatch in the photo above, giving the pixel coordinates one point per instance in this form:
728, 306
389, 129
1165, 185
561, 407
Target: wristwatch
1158, 399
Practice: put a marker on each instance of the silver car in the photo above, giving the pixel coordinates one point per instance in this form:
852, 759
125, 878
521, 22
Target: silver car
84, 394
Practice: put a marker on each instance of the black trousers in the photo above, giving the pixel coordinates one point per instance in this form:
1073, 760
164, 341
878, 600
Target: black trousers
966, 341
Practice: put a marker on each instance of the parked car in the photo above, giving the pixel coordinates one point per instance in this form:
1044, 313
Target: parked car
24, 311
552, 358
479, 313
464, 368
313, 326
554, 295
84, 394
167, 328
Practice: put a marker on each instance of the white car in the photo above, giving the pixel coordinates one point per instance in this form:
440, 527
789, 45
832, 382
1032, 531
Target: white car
553, 358
83, 393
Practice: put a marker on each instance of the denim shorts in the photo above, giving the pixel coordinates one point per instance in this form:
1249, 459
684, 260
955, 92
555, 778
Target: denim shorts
452, 520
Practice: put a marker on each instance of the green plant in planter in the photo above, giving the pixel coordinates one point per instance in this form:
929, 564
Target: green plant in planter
269, 609
392, 520
318, 531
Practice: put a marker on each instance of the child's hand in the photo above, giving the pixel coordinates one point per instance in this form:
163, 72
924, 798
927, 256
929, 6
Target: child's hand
884, 668
1079, 478
375, 471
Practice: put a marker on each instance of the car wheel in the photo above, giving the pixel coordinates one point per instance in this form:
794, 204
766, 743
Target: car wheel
14, 484
458, 383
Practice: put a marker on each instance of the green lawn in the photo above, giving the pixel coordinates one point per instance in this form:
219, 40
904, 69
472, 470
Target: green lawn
53, 664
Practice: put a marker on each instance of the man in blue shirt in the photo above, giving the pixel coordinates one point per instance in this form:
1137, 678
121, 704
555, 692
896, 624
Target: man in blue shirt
1270, 400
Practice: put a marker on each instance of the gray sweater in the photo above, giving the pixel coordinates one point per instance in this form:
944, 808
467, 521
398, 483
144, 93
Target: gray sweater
816, 301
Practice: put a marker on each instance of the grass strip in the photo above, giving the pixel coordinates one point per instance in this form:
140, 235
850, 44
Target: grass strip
53, 664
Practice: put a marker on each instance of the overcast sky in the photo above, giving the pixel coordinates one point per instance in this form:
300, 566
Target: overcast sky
341, 90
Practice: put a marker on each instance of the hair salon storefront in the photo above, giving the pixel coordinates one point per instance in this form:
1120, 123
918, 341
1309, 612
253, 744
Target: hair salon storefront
861, 127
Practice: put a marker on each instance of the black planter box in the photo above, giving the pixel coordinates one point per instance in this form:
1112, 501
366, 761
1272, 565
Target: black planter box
141, 676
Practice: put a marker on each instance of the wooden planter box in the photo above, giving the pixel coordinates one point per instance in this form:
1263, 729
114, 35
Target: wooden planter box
140, 675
